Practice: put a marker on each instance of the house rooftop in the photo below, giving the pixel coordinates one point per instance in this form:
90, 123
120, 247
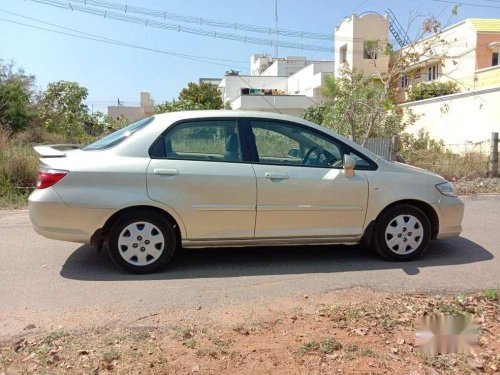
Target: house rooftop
485, 25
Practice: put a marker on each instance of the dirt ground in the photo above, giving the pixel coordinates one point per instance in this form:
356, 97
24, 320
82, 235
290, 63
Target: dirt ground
355, 331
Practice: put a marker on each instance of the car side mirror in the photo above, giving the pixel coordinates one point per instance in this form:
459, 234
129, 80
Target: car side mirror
349, 164
294, 153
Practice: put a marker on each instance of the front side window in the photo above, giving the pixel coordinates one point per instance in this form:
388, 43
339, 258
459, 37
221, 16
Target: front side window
118, 136
210, 140
494, 59
286, 144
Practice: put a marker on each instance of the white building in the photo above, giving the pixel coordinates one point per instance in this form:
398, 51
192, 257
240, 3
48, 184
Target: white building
285, 85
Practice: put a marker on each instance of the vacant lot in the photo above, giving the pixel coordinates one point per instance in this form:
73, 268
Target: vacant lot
351, 331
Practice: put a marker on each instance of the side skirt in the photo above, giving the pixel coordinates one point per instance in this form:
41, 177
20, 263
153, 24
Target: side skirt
292, 241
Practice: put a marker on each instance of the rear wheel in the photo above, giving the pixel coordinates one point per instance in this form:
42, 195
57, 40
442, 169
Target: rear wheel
402, 233
142, 242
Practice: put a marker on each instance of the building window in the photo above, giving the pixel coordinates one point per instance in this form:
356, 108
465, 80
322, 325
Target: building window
494, 59
343, 54
432, 73
404, 82
370, 49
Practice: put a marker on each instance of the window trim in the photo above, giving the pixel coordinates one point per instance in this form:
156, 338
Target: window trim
241, 135
346, 149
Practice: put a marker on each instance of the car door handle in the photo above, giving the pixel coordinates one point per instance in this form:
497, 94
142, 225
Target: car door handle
276, 176
165, 172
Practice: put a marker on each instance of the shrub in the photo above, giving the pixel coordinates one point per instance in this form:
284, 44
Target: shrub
424, 152
429, 90
19, 165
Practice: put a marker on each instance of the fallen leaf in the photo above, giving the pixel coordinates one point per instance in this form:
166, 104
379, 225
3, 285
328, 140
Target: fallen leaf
474, 363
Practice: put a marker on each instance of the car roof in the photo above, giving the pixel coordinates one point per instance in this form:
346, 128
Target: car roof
181, 115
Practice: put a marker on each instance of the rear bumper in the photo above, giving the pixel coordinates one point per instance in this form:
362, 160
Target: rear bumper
450, 211
54, 219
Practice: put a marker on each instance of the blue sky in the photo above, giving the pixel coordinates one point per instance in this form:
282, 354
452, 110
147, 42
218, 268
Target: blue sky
111, 71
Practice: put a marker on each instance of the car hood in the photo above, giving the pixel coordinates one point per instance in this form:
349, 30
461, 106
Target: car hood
410, 169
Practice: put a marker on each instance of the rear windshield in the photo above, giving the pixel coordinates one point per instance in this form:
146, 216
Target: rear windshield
118, 136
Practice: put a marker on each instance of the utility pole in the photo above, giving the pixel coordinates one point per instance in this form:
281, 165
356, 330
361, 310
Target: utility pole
276, 21
493, 162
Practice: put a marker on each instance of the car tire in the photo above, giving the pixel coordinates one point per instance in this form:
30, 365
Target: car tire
402, 233
142, 242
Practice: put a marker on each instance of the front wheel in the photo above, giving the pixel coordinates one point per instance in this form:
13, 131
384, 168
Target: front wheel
142, 242
402, 233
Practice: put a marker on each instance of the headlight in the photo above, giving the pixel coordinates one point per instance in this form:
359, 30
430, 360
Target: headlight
446, 188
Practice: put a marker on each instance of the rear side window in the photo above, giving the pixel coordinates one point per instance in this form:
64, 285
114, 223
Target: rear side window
118, 136
211, 140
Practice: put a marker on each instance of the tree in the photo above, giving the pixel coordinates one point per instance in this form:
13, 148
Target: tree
316, 113
16, 97
62, 109
195, 97
359, 107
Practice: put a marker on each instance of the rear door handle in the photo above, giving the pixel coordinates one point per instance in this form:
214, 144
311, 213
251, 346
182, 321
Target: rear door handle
276, 176
165, 172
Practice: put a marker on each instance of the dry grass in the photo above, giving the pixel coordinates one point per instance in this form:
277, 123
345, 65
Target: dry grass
18, 168
19, 163
449, 165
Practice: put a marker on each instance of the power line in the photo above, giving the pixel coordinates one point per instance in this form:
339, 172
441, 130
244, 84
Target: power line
125, 8
102, 39
359, 6
467, 4
179, 28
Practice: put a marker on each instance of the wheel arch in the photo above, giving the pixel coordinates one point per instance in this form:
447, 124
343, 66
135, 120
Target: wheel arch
104, 231
425, 207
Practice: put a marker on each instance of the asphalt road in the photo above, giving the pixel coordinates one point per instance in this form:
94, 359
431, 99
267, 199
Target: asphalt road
46, 278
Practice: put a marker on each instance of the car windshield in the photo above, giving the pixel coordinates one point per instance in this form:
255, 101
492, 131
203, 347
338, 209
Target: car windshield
118, 136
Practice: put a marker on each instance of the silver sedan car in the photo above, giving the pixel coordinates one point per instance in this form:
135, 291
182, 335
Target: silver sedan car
229, 178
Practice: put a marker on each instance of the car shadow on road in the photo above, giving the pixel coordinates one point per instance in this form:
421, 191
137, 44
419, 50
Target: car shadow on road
86, 264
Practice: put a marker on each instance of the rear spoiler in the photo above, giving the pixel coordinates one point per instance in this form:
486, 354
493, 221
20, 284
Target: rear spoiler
55, 151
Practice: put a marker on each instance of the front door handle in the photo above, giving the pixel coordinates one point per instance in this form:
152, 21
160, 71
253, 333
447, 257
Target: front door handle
165, 172
276, 176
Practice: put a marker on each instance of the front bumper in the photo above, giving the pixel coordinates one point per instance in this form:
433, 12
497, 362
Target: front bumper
450, 211
52, 218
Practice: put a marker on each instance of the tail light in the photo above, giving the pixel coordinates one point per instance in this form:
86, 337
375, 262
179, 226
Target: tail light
48, 177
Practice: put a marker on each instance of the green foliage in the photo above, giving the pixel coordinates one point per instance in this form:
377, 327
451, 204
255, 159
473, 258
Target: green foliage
101, 124
16, 96
203, 94
432, 90
62, 109
195, 97
316, 113
420, 142
492, 295
359, 107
